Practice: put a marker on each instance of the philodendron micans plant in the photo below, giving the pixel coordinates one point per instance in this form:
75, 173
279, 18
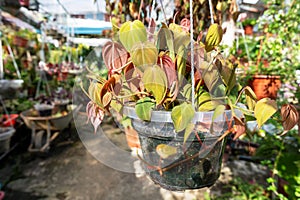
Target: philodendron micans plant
152, 71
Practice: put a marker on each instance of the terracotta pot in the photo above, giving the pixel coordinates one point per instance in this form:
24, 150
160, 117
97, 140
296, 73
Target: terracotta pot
265, 86
248, 30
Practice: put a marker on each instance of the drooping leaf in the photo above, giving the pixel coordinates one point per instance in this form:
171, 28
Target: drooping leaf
94, 92
181, 64
144, 107
165, 40
114, 56
165, 151
166, 63
206, 103
239, 127
155, 81
95, 114
227, 72
189, 129
144, 55
133, 78
289, 116
182, 115
187, 91
250, 98
264, 109
151, 29
132, 33
220, 109
213, 37
180, 37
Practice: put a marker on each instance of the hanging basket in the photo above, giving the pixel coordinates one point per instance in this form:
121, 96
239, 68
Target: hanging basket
265, 86
196, 164
9, 88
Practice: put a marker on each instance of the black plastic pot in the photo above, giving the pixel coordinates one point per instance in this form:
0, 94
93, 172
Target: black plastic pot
196, 164
44, 110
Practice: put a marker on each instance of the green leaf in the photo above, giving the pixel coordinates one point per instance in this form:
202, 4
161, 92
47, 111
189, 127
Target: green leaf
144, 107
181, 64
155, 81
144, 55
126, 122
165, 40
132, 33
189, 129
213, 37
250, 98
182, 115
205, 103
165, 151
264, 109
187, 91
220, 109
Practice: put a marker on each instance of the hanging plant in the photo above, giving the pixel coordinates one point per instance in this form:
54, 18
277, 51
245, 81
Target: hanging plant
181, 117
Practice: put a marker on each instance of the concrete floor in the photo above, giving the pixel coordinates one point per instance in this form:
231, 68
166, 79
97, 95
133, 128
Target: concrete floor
72, 170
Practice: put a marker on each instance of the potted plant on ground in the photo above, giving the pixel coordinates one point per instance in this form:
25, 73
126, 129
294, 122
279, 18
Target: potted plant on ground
182, 98
275, 60
248, 25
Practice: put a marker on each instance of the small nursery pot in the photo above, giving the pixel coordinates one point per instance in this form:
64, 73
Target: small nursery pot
196, 164
5, 135
44, 109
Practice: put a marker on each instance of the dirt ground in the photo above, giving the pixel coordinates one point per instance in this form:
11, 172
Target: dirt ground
71, 170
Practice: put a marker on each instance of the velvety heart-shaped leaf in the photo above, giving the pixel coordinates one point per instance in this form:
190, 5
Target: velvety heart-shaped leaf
289, 116
213, 37
155, 81
180, 37
144, 55
151, 29
181, 64
165, 151
94, 92
239, 127
165, 40
227, 72
220, 109
264, 109
114, 56
250, 98
166, 63
189, 129
205, 102
182, 115
185, 23
187, 91
132, 33
144, 107
133, 78
95, 114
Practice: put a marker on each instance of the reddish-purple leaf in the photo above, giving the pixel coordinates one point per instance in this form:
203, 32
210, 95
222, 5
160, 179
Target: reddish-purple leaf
114, 56
290, 116
185, 24
166, 63
95, 114
239, 127
133, 78
151, 29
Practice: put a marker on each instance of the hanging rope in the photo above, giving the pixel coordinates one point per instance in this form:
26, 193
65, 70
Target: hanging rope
192, 53
211, 12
